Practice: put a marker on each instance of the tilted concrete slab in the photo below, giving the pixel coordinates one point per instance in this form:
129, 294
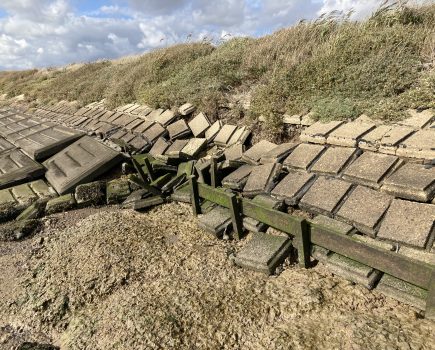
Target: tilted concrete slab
263, 253
16, 167
179, 129
43, 144
217, 221
159, 147
349, 134
265, 201
199, 125
238, 178
325, 196
292, 188
254, 154
186, 109
385, 138
419, 120
239, 136
364, 208
234, 153
174, 150
79, 163
211, 132
134, 124
419, 145
225, 134
166, 118
144, 126
262, 179
319, 131
409, 223
154, 132
411, 181
303, 156
124, 120
5, 146
334, 160
194, 147
371, 168
278, 153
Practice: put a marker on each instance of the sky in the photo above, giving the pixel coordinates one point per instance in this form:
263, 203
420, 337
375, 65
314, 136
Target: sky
47, 33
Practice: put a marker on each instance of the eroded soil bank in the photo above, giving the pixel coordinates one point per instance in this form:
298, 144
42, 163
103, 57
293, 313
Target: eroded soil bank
112, 279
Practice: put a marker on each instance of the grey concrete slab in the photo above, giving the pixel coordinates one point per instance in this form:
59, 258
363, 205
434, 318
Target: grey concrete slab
199, 125
349, 134
174, 150
419, 145
254, 154
292, 188
154, 114
114, 117
411, 181
265, 201
166, 118
419, 119
391, 140
144, 126
239, 136
43, 144
225, 134
334, 160
179, 129
21, 125
262, 179
106, 116
325, 196
278, 153
319, 131
217, 221
263, 253
154, 132
139, 143
134, 124
211, 132
79, 163
332, 224
234, 153
186, 109
371, 168
16, 167
5, 146
364, 209
409, 223
159, 147
303, 156
124, 120
238, 178
194, 147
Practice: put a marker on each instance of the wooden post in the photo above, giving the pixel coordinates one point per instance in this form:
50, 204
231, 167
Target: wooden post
430, 303
304, 245
214, 173
194, 195
236, 217
149, 169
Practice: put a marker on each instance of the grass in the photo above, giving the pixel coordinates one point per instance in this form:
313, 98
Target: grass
334, 67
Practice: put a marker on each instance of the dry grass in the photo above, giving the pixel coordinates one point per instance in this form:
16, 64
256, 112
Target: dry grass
334, 67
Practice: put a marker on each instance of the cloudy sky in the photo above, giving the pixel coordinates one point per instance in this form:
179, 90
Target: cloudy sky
42, 33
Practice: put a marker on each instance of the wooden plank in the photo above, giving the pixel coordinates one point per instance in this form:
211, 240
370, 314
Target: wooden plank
236, 217
276, 219
195, 199
215, 195
304, 245
150, 170
214, 173
404, 268
430, 303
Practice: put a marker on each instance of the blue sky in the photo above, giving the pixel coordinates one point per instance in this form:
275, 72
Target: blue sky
44, 33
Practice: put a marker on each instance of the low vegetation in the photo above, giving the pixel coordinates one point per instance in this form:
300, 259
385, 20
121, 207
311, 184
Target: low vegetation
334, 67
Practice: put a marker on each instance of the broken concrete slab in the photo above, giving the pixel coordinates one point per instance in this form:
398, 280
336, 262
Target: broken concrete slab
234, 153
411, 181
16, 167
43, 144
186, 109
166, 118
225, 134
319, 131
409, 223
254, 154
292, 188
263, 253
419, 120
419, 145
325, 196
91, 194
238, 178
194, 147
278, 153
364, 209
213, 130
217, 221
159, 147
349, 134
61, 204
199, 125
262, 179
117, 191
371, 168
392, 138
265, 201
79, 163
334, 160
402, 291
174, 150
303, 156
154, 132
178, 130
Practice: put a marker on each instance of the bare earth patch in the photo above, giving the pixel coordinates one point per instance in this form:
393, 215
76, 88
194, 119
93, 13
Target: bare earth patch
111, 279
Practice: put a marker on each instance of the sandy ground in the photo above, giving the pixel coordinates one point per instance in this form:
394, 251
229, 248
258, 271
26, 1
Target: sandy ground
112, 279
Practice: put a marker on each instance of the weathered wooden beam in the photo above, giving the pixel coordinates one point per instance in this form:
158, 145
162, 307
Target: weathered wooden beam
214, 175
195, 199
430, 302
149, 169
409, 270
215, 195
236, 216
303, 240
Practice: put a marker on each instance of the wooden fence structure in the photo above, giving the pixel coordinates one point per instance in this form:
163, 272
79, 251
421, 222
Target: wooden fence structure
306, 233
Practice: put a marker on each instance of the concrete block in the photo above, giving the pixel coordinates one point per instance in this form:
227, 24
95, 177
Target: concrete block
349, 134
159, 147
154, 132
199, 125
186, 109
238, 178
212, 132
278, 153
292, 188
166, 118
217, 221
61, 204
254, 154
178, 130
419, 145
174, 150
262, 179
224, 134
194, 147
91, 194
319, 131
303, 156
334, 160
117, 191
240, 136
